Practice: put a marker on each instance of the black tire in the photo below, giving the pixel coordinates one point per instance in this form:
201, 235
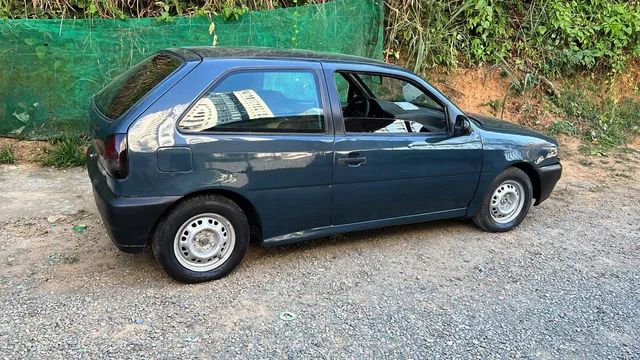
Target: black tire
165, 233
483, 218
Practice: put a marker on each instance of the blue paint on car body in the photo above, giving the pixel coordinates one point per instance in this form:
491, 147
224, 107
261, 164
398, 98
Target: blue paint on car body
298, 186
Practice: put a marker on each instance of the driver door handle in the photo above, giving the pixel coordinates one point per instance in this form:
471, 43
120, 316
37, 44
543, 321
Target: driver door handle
352, 161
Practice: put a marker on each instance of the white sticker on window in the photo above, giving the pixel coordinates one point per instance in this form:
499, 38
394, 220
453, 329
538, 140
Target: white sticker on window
398, 126
312, 111
406, 105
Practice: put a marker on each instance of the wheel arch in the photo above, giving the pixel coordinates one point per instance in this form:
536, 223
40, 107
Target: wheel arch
487, 179
245, 205
533, 176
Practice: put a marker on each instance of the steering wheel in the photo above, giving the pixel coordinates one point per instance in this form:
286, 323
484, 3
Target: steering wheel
357, 108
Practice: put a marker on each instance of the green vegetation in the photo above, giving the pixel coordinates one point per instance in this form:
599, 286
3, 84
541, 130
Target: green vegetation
563, 127
6, 155
549, 36
78, 57
552, 37
66, 152
164, 10
601, 123
531, 40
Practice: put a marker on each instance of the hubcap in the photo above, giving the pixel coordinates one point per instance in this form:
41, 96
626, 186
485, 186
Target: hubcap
204, 242
507, 202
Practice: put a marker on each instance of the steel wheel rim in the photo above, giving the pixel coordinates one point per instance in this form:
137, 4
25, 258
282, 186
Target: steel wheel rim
204, 242
507, 202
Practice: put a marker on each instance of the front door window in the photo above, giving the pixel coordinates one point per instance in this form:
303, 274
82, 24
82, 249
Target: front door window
374, 103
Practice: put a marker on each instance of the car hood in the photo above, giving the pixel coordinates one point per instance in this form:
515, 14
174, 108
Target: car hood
504, 127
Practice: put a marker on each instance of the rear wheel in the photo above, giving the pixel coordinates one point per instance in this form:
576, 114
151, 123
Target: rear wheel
204, 238
506, 203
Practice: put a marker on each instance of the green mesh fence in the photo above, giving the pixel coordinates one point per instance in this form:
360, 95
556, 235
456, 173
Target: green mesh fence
50, 68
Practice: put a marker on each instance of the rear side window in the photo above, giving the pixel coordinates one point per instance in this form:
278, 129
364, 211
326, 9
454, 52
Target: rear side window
127, 89
259, 101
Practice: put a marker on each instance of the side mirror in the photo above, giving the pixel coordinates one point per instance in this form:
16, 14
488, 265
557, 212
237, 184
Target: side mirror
462, 126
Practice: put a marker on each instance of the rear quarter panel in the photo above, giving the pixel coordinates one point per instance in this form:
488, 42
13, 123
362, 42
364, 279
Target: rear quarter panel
101, 127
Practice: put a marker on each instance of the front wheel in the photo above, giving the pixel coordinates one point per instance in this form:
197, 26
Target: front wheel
506, 203
203, 238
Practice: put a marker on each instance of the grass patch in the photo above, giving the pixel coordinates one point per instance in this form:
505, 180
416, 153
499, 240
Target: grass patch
563, 127
6, 155
602, 123
65, 152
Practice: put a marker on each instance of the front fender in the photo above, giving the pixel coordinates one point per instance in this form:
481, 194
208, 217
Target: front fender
502, 150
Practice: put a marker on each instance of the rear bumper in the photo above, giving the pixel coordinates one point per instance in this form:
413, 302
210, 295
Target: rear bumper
128, 220
549, 176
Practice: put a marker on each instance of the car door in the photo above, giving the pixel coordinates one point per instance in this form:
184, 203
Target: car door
396, 157
263, 131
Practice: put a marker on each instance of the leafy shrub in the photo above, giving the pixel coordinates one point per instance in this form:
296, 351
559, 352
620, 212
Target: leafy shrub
590, 33
489, 33
65, 152
551, 36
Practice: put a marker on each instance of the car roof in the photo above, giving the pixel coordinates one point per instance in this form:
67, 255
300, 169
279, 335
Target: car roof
209, 52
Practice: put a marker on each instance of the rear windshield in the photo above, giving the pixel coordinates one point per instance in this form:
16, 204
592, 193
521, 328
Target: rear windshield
125, 90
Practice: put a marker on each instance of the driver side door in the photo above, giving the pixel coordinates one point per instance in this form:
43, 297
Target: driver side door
395, 156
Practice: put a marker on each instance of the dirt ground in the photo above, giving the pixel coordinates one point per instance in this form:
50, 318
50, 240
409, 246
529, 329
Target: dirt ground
565, 284
25, 151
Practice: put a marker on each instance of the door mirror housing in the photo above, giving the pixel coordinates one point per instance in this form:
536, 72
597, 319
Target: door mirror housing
462, 126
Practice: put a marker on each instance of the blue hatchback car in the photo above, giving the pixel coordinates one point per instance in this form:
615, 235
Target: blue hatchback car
198, 150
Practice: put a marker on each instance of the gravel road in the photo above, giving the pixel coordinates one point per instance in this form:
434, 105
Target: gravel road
565, 284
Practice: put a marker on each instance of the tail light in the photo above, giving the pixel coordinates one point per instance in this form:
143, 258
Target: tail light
115, 155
